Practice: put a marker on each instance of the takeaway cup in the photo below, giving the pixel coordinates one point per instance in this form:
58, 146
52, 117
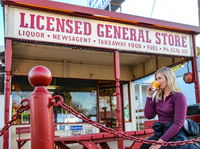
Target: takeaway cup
155, 85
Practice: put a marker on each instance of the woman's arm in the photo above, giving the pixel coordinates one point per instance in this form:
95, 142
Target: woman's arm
150, 108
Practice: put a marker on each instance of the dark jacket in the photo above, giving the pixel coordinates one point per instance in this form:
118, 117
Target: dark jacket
160, 129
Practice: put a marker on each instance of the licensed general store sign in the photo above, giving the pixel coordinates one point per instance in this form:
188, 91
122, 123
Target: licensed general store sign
57, 28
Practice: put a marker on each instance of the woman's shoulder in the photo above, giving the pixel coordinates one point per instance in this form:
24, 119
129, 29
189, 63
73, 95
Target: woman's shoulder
179, 95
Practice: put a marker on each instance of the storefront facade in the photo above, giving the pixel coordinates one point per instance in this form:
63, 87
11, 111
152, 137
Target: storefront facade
94, 55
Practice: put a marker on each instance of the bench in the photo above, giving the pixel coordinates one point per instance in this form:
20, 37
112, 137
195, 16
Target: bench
195, 118
85, 140
19, 132
90, 141
148, 124
25, 130
149, 132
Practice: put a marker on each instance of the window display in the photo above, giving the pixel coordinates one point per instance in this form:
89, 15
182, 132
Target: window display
85, 96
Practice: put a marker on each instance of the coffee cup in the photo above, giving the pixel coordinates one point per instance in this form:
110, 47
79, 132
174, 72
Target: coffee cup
155, 85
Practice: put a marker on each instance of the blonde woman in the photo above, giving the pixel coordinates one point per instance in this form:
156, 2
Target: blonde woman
170, 106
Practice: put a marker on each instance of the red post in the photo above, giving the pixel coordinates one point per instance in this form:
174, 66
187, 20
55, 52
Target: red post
118, 96
195, 72
41, 113
7, 90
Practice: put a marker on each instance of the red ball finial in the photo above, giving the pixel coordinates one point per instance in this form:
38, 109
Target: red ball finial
39, 76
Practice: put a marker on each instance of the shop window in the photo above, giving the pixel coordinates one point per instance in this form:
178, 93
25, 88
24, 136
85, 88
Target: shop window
2, 73
2, 83
83, 102
108, 103
17, 96
107, 106
79, 94
126, 100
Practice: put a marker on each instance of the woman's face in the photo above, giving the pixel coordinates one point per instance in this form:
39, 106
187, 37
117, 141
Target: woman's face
162, 80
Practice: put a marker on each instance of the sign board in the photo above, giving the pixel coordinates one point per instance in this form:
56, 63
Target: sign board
42, 26
76, 127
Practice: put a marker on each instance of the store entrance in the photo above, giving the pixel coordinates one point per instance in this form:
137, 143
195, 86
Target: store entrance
107, 103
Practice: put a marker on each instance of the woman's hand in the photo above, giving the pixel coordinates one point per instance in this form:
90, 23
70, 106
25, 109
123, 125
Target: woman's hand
156, 146
150, 91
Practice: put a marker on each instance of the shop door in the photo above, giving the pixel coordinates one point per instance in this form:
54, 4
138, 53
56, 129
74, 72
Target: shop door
107, 104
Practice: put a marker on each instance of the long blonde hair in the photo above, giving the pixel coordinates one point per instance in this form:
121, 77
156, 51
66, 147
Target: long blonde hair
171, 82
